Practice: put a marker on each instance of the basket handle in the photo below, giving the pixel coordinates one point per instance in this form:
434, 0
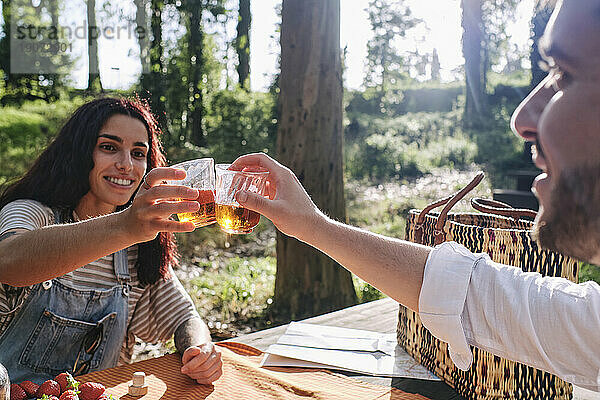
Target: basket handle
449, 202
499, 208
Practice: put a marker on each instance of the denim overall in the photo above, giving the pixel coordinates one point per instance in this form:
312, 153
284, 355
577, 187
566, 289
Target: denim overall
45, 337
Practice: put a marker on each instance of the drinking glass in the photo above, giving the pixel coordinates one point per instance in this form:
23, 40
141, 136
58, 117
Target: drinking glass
231, 217
201, 176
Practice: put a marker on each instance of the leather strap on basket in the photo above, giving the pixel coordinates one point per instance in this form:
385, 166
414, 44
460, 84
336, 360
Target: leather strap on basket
449, 201
499, 208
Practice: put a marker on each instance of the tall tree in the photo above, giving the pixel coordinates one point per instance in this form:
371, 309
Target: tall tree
309, 141
5, 42
197, 61
56, 78
541, 15
143, 33
473, 52
242, 44
153, 82
435, 66
94, 82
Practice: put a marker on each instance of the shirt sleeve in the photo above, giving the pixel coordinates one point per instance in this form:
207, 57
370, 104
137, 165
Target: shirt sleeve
161, 309
25, 214
19, 214
546, 322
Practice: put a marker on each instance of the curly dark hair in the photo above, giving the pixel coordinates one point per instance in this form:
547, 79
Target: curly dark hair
59, 178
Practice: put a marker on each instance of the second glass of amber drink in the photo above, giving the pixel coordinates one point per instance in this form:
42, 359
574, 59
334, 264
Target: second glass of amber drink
201, 176
231, 217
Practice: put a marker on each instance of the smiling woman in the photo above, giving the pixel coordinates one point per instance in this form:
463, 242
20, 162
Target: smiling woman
84, 249
120, 160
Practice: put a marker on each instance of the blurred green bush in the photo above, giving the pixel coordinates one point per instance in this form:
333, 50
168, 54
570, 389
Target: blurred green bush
408, 146
25, 131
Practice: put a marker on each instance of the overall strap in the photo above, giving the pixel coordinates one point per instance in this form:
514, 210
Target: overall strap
122, 270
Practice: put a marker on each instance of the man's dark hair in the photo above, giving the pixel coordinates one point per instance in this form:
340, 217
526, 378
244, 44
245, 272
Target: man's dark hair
59, 178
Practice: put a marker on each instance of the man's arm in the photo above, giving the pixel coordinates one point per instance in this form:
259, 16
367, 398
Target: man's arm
201, 359
393, 266
29, 257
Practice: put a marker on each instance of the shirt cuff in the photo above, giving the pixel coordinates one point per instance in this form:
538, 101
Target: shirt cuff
442, 300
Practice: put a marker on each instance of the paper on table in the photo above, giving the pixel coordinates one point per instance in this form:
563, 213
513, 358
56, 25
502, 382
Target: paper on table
335, 338
372, 353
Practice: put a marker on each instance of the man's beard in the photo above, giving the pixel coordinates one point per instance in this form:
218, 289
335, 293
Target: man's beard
571, 224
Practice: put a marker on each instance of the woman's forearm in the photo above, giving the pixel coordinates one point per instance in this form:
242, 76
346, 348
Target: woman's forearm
30, 257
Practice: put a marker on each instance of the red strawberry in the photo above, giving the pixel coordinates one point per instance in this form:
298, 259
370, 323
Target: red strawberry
50, 388
17, 392
66, 381
29, 387
69, 395
91, 390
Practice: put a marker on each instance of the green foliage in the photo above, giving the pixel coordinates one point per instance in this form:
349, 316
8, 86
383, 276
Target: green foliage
497, 14
407, 146
401, 99
239, 122
240, 290
178, 75
499, 150
366, 292
235, 121
589, 272
389, 20
25, 131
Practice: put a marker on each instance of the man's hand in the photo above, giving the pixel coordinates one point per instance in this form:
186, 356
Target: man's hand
288, 205
202, 363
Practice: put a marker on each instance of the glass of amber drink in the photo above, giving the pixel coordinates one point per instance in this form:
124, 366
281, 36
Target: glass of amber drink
201, 176
231, 217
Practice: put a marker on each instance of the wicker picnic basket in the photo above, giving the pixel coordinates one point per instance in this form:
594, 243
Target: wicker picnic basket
504, 234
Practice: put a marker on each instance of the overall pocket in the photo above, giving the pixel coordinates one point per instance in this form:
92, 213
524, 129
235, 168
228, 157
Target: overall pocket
55, 342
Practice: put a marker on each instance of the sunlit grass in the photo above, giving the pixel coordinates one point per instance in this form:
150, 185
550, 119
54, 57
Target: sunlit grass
232, 296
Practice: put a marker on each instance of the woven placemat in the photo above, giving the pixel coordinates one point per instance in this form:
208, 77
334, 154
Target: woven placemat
242, 379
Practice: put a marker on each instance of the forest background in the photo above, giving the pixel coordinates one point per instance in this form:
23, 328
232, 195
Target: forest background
407, 136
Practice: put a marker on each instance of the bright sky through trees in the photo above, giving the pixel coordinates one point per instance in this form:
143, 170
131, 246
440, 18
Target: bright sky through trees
442, 18
119, 67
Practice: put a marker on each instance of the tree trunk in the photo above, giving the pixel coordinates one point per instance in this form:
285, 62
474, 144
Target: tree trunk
242, 44
141, 23
309, 141
472, 21
5, 56
153, 82
541, 16
54, 90
94, 82
195, 49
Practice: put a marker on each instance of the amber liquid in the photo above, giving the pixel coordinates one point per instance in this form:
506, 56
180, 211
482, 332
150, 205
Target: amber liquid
234, 219
206, 214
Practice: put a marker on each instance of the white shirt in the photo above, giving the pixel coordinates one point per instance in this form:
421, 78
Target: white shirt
550, 323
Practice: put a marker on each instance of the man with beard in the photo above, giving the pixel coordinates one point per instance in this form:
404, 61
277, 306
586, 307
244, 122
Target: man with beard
464, 298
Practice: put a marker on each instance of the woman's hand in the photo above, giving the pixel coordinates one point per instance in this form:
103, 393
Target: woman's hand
156, 201
202, 363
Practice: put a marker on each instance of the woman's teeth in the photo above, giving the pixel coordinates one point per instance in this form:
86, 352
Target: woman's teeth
121, 182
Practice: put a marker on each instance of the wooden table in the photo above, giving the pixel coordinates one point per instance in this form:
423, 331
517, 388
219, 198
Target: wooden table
379, 316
